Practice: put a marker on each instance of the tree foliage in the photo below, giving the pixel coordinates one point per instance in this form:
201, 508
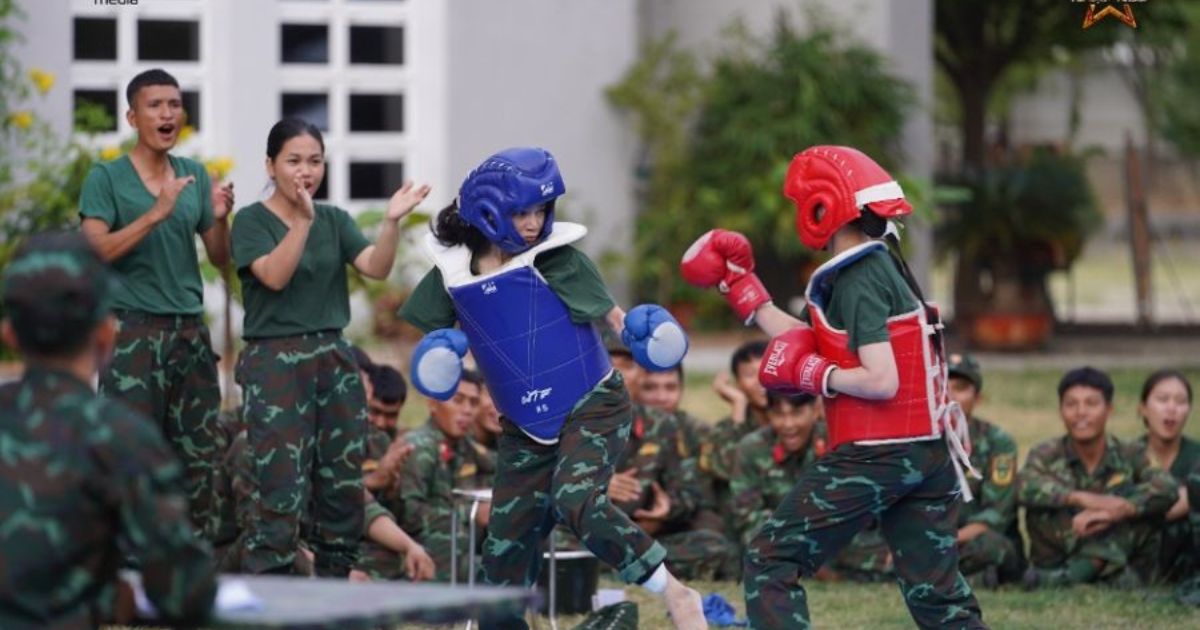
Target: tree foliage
718, 142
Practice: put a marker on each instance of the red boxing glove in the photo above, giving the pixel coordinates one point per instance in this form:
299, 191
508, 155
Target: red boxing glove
791, 364
725, 260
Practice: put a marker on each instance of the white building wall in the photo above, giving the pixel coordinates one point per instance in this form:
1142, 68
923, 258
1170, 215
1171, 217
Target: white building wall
533, 72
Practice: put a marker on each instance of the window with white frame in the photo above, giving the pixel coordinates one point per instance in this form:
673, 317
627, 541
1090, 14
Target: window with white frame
111, 46
343, 68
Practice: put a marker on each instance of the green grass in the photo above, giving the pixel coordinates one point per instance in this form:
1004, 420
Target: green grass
1024, 402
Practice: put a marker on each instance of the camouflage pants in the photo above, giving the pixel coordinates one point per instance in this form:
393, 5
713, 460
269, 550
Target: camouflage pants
164, 366
866, 558
910, 488
1053, 544
305, 414
989, 549
539, 485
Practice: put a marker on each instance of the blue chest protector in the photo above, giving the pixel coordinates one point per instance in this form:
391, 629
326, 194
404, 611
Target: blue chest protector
537, 363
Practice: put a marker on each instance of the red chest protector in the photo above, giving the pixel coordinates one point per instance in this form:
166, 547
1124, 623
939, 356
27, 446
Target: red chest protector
916, 411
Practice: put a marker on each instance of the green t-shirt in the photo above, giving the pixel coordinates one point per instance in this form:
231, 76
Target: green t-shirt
865, 294
568, 271
317, 297
161, 275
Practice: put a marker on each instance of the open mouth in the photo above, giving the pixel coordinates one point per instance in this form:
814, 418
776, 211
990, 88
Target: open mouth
167, 131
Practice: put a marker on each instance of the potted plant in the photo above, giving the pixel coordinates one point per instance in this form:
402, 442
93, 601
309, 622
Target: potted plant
1025, 217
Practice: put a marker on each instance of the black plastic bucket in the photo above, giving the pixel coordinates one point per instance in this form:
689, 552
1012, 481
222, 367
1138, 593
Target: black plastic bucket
578, 574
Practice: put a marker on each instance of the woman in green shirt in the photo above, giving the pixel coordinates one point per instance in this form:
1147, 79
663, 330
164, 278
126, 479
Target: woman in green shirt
303, 402
1166, 401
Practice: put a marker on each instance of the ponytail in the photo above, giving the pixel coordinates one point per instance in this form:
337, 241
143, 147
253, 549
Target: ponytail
451, 230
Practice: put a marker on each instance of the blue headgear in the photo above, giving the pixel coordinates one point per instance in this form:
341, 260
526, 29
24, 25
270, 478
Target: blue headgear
505, 184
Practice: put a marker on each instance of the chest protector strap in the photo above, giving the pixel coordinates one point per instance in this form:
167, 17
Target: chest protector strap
921, 409
537, 363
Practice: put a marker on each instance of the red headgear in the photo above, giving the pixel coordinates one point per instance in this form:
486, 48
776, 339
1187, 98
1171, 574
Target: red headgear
841, 181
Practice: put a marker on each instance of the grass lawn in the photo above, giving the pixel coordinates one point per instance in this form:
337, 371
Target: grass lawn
1025, 403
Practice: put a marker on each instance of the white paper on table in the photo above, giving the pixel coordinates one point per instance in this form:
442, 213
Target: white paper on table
233, 595
607, 597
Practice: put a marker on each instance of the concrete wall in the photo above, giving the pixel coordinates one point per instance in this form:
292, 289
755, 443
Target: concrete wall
513, 80
41, 46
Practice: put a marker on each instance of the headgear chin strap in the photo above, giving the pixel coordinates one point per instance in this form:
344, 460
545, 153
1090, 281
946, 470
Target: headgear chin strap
505, 184
832, 186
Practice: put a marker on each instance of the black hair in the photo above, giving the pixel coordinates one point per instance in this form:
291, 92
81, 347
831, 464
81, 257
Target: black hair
473, 376
451, 230
746, 353
58, 323
1159, 376
796, 400
154, 76
1086, 376
870, 224
287, 129
388, 385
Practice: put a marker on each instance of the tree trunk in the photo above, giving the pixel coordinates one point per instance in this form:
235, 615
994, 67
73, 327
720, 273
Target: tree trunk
973, 96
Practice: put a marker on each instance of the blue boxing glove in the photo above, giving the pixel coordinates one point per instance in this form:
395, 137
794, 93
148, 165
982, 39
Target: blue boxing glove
655, 338
437, 363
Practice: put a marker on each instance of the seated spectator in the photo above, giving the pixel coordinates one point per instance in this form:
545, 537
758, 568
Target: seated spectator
443, 459
989, 540
487, 428
386, 393
1166, 402
747, 413
387, 551
662, 495
767, 463
1092, 503
85, 482
663, 390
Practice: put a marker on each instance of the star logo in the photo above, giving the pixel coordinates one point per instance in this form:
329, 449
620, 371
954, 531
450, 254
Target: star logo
1124, 14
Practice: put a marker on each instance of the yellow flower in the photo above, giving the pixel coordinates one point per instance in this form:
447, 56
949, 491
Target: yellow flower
110, 153
42, 79
21, 120
219, 167
186, 132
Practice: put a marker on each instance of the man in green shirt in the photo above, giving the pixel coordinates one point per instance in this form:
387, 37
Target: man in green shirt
989, 541
1092, 502
443, 459
85, 482
142, 212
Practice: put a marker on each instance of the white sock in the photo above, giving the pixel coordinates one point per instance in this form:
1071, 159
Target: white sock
657, 582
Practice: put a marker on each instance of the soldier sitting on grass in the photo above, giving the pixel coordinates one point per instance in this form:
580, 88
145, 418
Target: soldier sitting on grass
1092, 502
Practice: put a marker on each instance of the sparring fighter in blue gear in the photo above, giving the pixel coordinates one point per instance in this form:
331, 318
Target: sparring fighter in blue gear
527, 302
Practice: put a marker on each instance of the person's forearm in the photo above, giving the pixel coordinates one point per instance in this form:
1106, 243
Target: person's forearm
616, 320
216, 243
275, 270
116, 244
383, 255
388, 534
775, 321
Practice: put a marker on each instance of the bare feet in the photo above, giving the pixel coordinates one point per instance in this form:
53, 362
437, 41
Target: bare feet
684, 604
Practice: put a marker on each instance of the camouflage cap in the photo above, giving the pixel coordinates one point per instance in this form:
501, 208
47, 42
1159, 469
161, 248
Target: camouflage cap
56, 288
965, 365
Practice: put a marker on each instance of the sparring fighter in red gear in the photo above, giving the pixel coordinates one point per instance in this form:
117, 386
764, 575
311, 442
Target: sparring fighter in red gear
869, 343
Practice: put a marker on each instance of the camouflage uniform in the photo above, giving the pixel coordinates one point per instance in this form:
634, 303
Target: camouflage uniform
84, 481
1178, 555
717, 460
305, 412
374, 559
694, 444
1052, 471
424, 497
910, 487
654, 450
763, 474
231, 492
540, 485
164, 365
994, 455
